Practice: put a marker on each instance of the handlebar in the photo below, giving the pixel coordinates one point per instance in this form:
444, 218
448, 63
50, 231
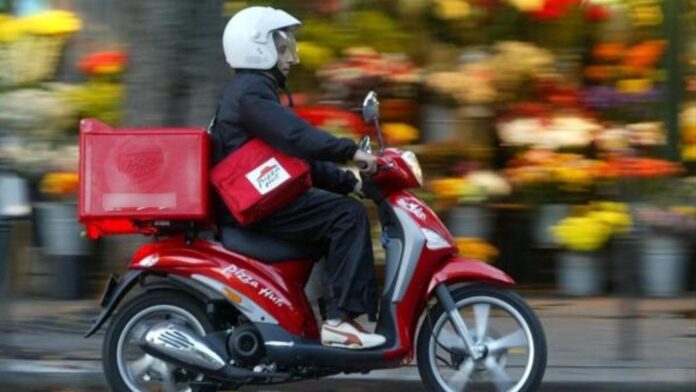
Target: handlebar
382, 164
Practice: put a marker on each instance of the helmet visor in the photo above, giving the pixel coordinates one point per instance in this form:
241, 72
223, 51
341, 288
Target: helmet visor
286, 45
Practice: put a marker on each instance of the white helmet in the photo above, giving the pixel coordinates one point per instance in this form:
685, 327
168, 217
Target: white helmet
248, 41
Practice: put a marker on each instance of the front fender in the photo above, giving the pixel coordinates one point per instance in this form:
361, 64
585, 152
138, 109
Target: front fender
459, 270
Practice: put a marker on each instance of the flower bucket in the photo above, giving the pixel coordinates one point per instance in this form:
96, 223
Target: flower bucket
14, 198
547, 216
579, 274
65, 247
469, 221
664, 265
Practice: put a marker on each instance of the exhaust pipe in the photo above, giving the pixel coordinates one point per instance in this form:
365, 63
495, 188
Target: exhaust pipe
175, 342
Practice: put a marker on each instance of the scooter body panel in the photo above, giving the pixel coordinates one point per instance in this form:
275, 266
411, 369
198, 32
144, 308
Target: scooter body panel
271, 293
417, 263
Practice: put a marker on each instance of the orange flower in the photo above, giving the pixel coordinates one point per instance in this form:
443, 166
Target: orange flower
609, 51
597, 72
644, 55
60, 183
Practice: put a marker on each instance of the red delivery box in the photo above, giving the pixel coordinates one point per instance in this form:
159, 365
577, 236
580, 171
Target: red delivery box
129, 177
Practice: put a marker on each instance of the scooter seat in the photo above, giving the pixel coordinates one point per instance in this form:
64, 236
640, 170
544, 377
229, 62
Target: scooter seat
266, 248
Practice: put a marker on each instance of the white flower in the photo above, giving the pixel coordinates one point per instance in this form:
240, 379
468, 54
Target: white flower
490, 182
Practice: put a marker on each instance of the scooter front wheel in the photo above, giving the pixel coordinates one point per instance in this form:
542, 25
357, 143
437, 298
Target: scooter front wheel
505, 331
126, 366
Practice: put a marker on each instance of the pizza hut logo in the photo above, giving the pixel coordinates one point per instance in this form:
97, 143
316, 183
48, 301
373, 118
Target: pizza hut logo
268, 176
140, 161
413, 208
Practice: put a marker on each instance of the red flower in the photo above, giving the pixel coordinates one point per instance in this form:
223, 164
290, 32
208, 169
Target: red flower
108, 62
597, 13
554, 9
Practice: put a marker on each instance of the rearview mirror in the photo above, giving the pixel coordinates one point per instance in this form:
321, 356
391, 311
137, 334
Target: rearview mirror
370, 110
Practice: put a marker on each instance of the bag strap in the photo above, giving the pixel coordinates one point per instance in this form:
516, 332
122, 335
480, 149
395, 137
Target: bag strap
217, 140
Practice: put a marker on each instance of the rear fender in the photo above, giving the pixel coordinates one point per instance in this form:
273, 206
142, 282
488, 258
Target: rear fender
118, 288
460, 270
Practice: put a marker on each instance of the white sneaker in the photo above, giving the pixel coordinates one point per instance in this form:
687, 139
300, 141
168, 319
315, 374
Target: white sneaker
349, 334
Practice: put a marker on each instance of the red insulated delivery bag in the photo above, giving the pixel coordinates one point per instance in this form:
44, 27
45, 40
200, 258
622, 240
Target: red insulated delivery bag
257, 180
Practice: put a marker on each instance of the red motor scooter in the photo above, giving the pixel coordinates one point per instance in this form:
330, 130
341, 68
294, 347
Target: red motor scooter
210, 318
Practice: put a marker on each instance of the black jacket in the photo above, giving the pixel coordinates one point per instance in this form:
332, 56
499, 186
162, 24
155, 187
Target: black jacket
250, 107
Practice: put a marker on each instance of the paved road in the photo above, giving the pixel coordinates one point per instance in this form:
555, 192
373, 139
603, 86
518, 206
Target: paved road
387, 386
41, 350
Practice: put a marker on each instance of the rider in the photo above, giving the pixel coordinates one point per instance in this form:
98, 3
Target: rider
260, 46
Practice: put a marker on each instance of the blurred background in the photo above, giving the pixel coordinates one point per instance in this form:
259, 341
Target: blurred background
557, 137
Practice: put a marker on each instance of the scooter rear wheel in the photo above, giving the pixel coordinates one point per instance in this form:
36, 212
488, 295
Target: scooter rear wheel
126, 367
502, 326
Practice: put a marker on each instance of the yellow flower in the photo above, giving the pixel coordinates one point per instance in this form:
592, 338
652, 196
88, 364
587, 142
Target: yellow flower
476, 249
634, 86
450, 187
10, 29
528, 5
452, 9
591, 230
399, 133
314, 56
53, 23
610, 206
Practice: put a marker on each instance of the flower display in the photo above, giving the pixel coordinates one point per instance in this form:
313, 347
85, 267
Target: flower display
589, 230
672, 210
474, 187
362, 68
98, 99
365, 62
638, 167
470, 83
550, 133
638, 135
30, 46
674, 219
569, 172
495, 77
476, 249
45, 111
60, 184
687, 120
33, 159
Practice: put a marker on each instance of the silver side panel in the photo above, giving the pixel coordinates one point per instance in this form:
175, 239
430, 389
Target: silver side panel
394, 249
413, 246
251, 310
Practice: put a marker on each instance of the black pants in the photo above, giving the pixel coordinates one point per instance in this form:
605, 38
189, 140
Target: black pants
340, 225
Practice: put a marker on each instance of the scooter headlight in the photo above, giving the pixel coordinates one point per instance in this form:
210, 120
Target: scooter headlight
434, 240
410, 158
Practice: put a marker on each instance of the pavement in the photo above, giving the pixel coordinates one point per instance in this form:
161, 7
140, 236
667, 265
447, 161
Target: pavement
595, 344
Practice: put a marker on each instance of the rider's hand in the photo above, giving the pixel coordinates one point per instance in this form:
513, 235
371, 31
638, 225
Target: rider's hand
366, 162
